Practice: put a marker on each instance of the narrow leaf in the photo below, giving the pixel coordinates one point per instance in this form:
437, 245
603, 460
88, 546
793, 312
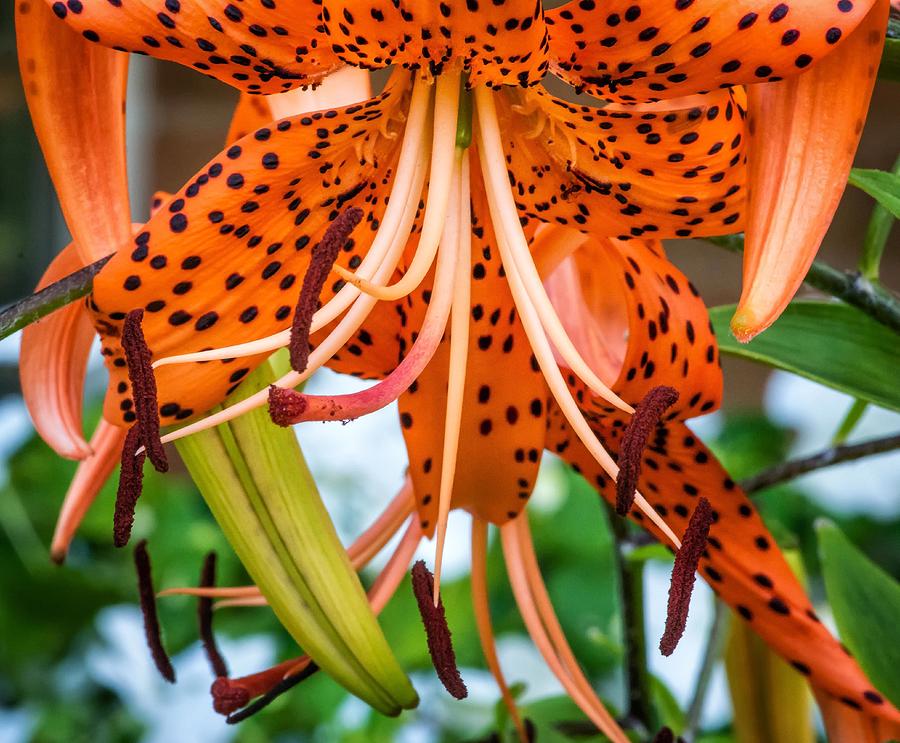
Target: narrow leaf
866, 604
830, 343
880, 185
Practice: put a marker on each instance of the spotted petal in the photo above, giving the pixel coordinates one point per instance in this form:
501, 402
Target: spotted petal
220, 263
76, 95
263, 47
665, 171
636, 51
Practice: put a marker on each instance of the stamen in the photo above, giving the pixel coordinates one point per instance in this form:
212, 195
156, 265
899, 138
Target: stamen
324, 254
143, 388
440, 646
230, 695
646, 417
131, 478
683, 575
286, 406
459, 224
148, 608
205, 618
496, 183
286, 684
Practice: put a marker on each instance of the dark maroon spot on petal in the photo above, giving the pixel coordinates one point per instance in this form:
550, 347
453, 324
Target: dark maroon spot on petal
646, 415
205, 618
440, 645
131, 478
143, 388
285, 406
683, 575
148, 608
320, 263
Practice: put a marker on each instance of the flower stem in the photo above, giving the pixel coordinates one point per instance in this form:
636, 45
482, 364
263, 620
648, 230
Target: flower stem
711, 654
640, 711
850, 287
826, 458
58, 294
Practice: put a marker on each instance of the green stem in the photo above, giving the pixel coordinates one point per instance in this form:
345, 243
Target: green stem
877, 232
711, 654
640, 709
850, 287
853, 416
49, 299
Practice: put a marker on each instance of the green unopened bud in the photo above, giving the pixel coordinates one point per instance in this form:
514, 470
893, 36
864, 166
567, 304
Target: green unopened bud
253, 477
771, 700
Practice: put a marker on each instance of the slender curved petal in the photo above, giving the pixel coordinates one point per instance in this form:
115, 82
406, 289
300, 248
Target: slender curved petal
803, 136
76, 95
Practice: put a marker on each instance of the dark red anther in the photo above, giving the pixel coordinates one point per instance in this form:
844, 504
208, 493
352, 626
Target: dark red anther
440, 645
131, 478
143, 388
148, 607
646, 416
205, 618
286, 406
683, 575
323, 256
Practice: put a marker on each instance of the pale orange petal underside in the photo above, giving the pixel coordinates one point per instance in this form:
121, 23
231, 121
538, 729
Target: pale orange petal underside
52, 365
803, 135
76, 95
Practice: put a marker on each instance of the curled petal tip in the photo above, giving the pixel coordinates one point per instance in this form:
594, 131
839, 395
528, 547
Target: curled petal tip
58, 555
746, 325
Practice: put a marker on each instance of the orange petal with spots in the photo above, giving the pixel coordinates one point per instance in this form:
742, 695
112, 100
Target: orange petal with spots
804, 134
670, 172
76, 95
265, 47
742, 564
636, 51
496, 42
52, 366
90, 477
251, 113
846, 724
639, 323
504, 401
222, 262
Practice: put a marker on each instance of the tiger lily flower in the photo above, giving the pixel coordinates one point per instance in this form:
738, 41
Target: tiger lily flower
472, 184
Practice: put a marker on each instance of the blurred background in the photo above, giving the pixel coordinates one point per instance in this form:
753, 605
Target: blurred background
73, 666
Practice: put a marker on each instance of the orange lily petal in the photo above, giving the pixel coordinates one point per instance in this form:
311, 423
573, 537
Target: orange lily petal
845, 724
804, 134
640, 323
633, 52
263, 48
91, 475
52, 366
743, 563
670, 172
245, 223
497, 42
76, 95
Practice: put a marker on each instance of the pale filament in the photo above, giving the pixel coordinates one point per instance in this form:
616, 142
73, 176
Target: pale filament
354, 405
488, 135
571, 677
446, 113
460, 212
389, 241
482, 611
506, 221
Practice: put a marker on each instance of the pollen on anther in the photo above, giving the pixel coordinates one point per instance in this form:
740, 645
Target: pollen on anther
148, 608
440, 645
131, 477
205, 618
646, 416
324, 254
683, 575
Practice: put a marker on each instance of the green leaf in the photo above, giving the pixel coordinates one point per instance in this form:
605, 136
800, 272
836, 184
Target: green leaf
880, 185
830, 343
866, 604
